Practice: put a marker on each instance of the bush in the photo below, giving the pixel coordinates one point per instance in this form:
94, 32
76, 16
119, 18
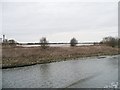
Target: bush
110, 41
73, 42
119, 42
43, 42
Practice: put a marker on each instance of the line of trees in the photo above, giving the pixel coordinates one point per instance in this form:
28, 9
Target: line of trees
111, 41
10, 42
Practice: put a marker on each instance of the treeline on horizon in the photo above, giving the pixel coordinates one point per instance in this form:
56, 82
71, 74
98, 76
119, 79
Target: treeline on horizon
109, 41
55, 43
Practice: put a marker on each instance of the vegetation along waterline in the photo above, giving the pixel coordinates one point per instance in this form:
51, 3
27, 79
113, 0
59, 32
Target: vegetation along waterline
24, 56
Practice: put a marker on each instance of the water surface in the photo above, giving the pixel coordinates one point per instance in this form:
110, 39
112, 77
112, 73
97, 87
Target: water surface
82, 73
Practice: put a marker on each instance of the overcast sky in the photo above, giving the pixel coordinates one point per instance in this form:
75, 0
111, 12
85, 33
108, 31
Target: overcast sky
59, 21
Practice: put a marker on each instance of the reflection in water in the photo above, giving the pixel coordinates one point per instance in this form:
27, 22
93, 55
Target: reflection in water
45, 72
83, 73
44, 69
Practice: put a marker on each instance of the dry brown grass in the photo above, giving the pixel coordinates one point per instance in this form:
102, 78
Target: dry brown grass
20, 56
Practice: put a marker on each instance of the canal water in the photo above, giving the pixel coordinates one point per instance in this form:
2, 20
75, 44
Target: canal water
92, 72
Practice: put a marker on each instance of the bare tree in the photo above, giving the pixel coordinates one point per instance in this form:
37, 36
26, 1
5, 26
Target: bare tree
110, 41
118, 42
73, 42
12, 42
44, 42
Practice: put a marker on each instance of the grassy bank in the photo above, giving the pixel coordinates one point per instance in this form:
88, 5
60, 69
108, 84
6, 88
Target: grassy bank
23, 56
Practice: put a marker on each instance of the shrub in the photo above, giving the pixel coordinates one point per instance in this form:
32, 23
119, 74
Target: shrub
73, 42
110, 41
43, 42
